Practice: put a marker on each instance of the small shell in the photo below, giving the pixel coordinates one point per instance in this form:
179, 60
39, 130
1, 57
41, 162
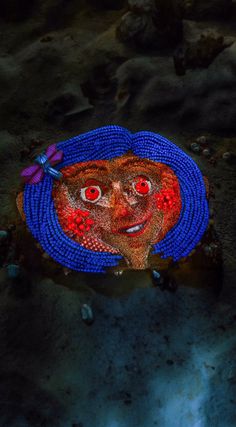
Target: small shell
195, 147
156, 278
118, 272
202, 140
206, 152
87, 314
226, 156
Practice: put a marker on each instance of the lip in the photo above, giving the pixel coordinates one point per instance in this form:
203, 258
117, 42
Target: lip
140, 225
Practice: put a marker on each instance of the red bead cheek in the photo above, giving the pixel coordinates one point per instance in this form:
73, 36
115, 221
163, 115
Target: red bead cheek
167, 200
76, 222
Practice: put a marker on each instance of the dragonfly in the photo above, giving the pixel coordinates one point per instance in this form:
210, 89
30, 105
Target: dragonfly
35, 173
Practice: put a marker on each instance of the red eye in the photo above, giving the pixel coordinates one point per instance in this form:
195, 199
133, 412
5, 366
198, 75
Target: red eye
91, 194
142, 185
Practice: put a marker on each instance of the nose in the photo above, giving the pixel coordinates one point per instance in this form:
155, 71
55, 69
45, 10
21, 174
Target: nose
121, 211
120, 205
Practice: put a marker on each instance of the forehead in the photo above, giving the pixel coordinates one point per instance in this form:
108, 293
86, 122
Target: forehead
118, 166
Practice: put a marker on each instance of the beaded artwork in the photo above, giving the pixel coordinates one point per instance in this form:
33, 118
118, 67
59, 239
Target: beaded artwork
115, 195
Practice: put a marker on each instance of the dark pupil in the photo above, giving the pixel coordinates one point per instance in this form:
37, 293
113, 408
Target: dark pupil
143, 184
92, 190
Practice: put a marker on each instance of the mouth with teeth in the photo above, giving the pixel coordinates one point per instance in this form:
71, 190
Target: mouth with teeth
133, 230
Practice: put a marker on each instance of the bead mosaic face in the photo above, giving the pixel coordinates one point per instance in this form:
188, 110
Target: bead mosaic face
121, 206
111, 197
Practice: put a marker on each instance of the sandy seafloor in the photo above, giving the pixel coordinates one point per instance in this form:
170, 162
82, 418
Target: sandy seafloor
151, 358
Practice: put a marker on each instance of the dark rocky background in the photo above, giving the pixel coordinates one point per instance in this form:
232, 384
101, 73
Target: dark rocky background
150, 358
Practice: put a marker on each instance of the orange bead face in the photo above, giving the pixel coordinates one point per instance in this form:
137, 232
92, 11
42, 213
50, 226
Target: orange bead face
122, 206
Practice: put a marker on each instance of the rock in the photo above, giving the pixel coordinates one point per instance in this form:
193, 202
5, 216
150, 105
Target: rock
201, 46
137, 29
151, 86
68, 104
163, 92
141, 6
203, 52
201, 9
131, 76
100, 83
151, 24
87, 314
29, 95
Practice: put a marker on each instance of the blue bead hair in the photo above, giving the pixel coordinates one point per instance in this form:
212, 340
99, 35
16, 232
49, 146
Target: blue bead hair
104, 144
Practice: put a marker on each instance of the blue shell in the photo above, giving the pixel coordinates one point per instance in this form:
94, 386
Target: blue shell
103, 144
